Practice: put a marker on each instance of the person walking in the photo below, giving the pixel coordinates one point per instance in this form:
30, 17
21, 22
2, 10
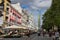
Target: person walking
53, 35
56, 35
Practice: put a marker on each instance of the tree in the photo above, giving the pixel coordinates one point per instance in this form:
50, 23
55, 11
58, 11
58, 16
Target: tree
52, 16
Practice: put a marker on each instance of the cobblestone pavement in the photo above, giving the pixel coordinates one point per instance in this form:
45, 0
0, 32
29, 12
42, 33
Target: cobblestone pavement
32, 37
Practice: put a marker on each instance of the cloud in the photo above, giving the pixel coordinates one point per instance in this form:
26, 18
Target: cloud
35, 6
41, 4
26, 2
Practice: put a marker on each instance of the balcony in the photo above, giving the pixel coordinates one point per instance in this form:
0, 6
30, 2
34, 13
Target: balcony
24, 19
24, 24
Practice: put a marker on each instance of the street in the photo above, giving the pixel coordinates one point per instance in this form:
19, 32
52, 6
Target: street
32, 37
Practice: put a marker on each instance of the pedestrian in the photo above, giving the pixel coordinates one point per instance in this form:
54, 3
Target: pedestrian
43, 34
50, 34
56, 35
46, 34
53, 35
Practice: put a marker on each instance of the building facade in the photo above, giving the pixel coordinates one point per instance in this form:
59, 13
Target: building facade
31, 22
17, 16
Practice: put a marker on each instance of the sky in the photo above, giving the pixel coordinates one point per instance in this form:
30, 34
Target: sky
35, 7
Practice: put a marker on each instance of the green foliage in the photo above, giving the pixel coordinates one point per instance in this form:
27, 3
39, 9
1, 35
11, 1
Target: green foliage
52, 16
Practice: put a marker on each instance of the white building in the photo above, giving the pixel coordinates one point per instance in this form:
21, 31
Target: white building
18, 16
17, 7
31, 24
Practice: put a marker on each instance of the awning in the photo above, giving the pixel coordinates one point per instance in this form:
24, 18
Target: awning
15, 27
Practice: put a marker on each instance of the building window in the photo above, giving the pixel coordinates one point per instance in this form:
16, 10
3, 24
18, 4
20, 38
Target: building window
14, 14
1, 13
23, 11
9, 1
6, 18
7, 9
27, 20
